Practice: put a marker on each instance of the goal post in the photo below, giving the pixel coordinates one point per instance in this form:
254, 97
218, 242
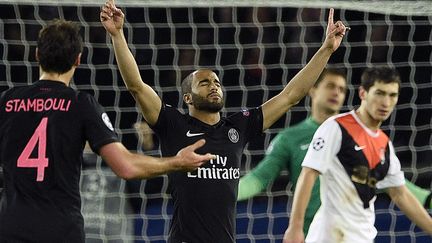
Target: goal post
255, 47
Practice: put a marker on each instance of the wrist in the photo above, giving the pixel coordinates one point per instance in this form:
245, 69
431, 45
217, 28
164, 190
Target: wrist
117, 34
326, 50
296, 223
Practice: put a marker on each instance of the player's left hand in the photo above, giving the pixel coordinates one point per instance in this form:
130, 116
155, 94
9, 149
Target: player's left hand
112, 18
334, 32
293, 235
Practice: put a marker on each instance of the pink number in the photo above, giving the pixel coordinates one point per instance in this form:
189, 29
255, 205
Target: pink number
41, 161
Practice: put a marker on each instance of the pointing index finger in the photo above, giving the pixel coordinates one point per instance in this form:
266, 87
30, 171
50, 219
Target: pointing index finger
330, 17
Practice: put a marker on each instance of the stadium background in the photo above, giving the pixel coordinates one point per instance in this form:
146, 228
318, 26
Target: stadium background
255, 51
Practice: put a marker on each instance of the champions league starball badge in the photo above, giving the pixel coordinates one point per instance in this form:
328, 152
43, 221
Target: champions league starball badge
318, 144
233, 135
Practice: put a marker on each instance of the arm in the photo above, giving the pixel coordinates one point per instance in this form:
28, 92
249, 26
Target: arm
276, 158
298, 87
128, 165
422, 195
249, 186
411, 207
112, 19
306, 180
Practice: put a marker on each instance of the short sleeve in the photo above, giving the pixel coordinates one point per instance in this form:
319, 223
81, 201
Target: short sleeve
167, 114
395, 176
98, 128
249, 122
325, 145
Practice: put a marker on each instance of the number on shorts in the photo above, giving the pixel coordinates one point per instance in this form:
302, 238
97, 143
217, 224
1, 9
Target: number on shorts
41, 161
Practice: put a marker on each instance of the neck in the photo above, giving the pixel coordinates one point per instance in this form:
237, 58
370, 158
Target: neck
64, 77
320, 115
367, 119
209, 118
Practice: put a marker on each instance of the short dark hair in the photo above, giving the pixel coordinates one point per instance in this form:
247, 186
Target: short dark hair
379, 74
59, 44
335, 71
186, 86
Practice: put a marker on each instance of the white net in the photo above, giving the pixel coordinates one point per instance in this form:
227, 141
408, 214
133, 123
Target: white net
255, 51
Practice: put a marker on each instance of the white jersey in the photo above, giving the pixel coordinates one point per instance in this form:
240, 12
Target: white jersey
353, 162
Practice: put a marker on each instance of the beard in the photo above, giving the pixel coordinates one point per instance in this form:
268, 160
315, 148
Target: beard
202, 104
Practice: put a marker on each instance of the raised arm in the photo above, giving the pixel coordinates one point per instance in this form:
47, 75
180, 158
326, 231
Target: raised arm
411, 207
128, 165
112, 19
306, 180
298, 87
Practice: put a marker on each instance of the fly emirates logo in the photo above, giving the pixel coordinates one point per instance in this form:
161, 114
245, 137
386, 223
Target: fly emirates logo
216, 170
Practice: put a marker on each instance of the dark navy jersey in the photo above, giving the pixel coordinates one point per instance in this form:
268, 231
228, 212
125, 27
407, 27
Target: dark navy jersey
205, 199
43, 130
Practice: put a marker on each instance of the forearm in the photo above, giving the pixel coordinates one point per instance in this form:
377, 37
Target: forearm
249, 186
146, 97
126, 63
302, 195
411, 207
304, 80
296, 89
422, 195
144, 167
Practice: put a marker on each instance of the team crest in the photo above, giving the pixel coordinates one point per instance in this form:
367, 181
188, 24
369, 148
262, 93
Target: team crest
245, 112
107, 121
233, 135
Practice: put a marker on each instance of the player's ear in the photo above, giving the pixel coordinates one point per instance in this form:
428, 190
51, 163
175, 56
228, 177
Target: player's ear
362, 93
187, 98
78, 60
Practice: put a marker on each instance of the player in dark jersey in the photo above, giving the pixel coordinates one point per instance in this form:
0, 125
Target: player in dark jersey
354, 158
205, 199
43, 130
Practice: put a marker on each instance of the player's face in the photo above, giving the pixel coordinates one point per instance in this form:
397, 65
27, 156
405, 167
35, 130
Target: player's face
380, 100
329, 95
207, 92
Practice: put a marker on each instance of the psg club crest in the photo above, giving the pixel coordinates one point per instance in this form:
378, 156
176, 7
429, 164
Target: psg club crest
233, 135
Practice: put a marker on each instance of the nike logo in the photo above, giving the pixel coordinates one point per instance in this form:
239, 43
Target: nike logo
358, 148
189, 134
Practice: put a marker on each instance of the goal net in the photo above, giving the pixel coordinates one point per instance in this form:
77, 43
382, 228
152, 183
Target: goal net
255, 47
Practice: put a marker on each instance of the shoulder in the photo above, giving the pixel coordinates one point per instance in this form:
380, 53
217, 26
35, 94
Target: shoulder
244, 114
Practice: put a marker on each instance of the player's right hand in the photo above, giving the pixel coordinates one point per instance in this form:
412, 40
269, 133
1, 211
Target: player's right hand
293, 236
189, 160
112, 18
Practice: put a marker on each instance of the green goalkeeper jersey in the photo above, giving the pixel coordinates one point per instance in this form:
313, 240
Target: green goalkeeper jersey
286, 151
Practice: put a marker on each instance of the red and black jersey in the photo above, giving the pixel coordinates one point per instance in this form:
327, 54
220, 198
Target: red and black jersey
364, 156
205, 199
43, 130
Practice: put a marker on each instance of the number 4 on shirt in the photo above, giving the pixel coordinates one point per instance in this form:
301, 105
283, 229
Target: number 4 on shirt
41, 161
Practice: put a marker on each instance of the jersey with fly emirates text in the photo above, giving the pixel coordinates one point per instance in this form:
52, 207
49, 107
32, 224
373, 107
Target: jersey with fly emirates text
205, 199
43, 130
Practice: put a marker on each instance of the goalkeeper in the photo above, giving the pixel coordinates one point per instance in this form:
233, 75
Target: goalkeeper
289, 147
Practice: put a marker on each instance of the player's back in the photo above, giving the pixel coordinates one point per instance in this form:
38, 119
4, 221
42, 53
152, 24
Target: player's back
41, 142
